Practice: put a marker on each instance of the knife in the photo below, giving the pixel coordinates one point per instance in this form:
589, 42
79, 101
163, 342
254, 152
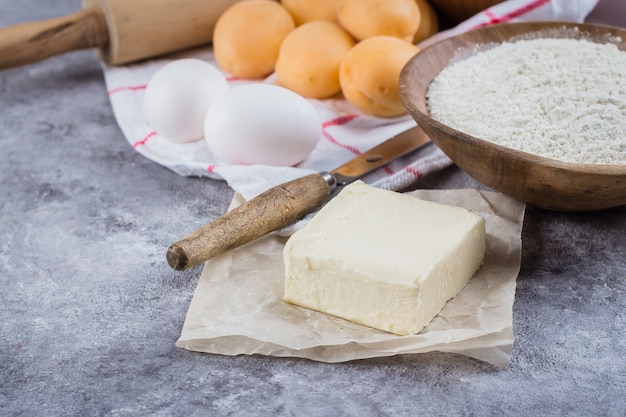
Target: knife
284, 204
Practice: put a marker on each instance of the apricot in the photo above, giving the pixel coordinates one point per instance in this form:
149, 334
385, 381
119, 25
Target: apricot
429, 23
369, 75
247, 37
309, 58
367, 18
304, 11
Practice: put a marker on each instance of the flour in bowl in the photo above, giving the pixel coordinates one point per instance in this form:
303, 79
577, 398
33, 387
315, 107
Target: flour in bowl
564, 99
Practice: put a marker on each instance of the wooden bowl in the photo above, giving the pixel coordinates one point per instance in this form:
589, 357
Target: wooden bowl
540, 181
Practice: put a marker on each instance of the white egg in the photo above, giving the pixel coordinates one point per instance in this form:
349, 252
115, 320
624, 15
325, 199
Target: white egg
178, 97
262, 124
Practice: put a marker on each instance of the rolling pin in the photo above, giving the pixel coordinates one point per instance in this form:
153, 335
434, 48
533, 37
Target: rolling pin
123, 31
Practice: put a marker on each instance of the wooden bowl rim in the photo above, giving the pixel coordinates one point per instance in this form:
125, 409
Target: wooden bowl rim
468, 39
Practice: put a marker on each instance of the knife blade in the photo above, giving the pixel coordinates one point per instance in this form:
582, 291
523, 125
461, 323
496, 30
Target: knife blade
284, 204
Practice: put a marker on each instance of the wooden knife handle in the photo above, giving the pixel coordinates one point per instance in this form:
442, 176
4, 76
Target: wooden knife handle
277, 207
31, 42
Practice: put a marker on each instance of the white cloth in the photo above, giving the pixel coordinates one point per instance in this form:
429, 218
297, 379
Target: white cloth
346, 131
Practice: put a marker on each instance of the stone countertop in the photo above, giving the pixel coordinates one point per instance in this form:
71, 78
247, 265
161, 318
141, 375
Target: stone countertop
90, 310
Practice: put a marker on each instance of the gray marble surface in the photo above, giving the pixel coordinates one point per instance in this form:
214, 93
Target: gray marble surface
90, 311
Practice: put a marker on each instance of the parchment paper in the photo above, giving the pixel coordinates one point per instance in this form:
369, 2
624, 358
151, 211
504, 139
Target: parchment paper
238, 307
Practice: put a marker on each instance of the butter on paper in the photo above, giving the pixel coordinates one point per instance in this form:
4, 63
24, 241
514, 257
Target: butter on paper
238, 307
383, 259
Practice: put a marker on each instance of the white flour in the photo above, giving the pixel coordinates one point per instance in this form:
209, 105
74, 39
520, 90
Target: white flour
560, 98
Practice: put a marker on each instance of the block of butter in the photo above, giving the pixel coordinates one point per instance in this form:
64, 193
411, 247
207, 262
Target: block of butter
383, 259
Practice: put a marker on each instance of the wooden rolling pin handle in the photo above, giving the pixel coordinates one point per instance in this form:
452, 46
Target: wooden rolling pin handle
277, 207
31, 42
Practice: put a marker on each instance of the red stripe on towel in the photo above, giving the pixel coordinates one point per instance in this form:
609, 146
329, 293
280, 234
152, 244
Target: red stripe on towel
127, 88
493, 19
342, 120
388, 170
144, 140
416, 173
334, 141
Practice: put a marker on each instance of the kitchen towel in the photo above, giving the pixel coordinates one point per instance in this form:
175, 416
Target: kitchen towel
346, 132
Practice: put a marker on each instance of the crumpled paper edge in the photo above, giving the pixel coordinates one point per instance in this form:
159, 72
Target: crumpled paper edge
493, 345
